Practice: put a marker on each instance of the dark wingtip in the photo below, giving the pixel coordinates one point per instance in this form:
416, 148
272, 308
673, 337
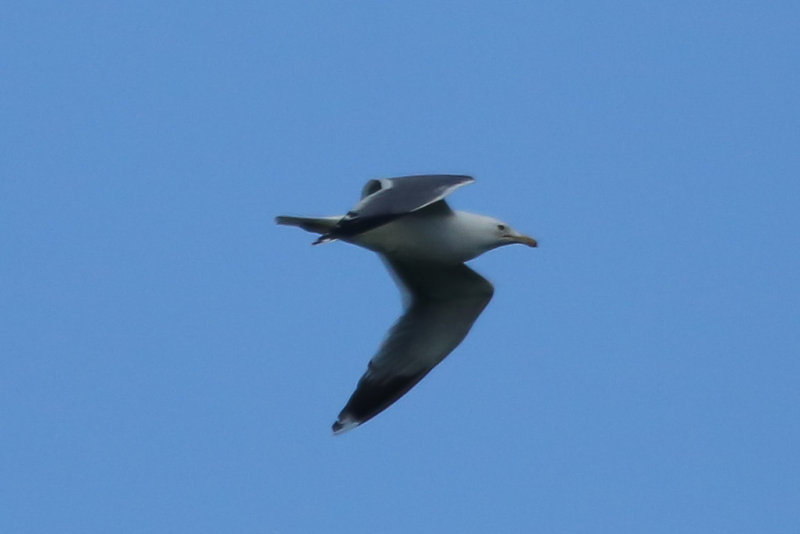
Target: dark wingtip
344, 423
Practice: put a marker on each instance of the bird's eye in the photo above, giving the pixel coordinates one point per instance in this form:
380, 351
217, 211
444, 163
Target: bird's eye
501, 227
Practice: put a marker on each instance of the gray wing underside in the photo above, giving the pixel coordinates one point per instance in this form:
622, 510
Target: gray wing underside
443, 304
386, 199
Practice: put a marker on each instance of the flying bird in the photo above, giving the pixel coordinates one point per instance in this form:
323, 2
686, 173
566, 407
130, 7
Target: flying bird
424, 244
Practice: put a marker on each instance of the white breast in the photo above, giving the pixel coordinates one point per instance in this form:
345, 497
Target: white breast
453, 238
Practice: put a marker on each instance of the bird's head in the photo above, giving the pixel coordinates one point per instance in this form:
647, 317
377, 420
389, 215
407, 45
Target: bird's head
496, 233
508, 236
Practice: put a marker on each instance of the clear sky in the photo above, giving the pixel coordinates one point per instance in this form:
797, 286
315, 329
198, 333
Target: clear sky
171, 361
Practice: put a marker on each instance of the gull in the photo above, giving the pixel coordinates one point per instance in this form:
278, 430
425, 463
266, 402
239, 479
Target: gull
424, 245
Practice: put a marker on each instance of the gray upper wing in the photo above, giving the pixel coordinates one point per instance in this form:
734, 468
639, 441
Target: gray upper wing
444, 301
386, 199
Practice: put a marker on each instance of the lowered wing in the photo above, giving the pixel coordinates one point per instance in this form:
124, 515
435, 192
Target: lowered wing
442, 303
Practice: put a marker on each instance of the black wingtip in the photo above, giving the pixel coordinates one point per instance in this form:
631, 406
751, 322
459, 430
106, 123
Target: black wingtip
343, 423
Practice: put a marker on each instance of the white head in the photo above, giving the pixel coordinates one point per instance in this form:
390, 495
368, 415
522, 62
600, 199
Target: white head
491, 233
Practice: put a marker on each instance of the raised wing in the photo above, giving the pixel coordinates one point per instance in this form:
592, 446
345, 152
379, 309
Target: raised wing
387, 199
443, 301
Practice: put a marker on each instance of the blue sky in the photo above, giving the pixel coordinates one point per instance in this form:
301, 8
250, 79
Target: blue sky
172, 360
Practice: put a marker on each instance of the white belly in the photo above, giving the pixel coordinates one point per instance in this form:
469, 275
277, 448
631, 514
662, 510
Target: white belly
438, 238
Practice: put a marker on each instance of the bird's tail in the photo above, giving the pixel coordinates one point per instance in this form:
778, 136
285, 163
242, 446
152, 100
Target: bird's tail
316, 225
